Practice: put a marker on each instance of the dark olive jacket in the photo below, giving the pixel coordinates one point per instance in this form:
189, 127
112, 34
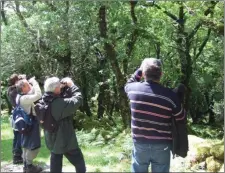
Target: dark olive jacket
63, 109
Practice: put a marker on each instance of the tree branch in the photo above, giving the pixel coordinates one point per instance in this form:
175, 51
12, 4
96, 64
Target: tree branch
199, 23
132, 11
19, 14
109, 49
67, 7
157, 49
203, 44
24, 23
218, 28
102, 22
195, 30
3, 14
133, 39
211, 8
172, 16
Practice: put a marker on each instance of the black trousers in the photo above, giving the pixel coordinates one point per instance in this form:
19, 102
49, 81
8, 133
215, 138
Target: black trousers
75, 157
17, 149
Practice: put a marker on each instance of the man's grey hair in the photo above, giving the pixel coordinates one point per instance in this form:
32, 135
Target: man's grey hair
152, 68
19, 86
51, 84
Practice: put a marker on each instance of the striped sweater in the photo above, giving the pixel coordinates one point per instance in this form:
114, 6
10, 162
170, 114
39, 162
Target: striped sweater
152, 106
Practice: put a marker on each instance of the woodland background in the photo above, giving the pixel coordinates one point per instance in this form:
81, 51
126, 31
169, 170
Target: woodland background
101, 43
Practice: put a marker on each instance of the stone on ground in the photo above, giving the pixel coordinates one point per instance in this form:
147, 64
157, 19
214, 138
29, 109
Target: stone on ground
213, 165
218, 151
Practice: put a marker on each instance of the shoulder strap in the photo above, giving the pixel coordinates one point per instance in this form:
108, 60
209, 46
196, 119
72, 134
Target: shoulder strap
50, 106
18, 101
31, 110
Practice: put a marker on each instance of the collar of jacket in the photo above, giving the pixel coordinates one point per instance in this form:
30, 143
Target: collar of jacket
49, 96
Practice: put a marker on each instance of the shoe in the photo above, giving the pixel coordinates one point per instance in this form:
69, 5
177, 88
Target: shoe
17, 160
24, 169
33, 169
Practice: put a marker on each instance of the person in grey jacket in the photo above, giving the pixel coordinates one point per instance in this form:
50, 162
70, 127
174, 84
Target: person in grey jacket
64, 140
30, 92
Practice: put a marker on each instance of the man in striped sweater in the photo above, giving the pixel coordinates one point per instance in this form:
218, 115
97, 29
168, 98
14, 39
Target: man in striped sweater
152, 106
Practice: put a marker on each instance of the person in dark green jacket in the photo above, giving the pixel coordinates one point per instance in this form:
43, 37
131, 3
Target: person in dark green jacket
64, 140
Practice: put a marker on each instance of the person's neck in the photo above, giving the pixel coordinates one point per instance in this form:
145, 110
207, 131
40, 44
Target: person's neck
155, 81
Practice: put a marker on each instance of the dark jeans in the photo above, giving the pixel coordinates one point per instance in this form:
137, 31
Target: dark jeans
17, 149
75, 157
158, 155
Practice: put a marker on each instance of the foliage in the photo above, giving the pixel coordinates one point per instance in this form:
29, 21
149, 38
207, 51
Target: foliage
63, 38
206, 131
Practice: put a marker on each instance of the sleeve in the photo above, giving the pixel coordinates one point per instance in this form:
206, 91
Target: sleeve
31, 98
136, 77
70, 105
178, 111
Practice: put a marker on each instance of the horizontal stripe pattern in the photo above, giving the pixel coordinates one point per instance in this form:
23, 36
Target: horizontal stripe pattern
152, 95
150, 129
151, 122
152, 107
151, 104
151, 137
150, 113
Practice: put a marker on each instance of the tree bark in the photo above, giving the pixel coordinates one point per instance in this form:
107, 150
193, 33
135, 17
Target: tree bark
184, 55
85, 108
102, 99
120, 79
3, 14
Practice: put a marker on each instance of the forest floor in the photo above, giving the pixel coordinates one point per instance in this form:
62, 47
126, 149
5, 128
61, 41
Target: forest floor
111, 157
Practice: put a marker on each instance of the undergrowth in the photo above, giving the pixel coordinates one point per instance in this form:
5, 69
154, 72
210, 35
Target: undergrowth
105, 144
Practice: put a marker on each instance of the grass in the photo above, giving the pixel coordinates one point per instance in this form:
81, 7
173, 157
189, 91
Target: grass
98, 157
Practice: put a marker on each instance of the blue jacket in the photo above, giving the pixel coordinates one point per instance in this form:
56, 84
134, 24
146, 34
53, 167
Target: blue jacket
32, 140
31, 137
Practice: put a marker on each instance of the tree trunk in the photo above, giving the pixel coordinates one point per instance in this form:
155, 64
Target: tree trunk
211, 117
3, 15
120, 79
85, 108
183, 45
101, 100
